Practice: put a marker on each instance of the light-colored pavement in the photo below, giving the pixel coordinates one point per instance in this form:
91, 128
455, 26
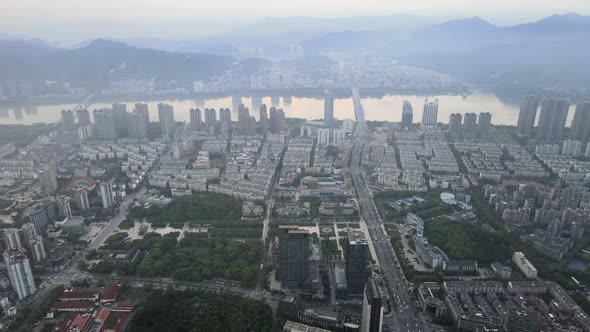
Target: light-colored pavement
115, 220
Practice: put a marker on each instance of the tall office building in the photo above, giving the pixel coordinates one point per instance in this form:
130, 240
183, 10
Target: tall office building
166, 117
106, 193
210, 118
104, 124
430, 114
225, 120
323, 136
293, 256
64, 206
29, 232
138, 122
484, 124
41, 214
372, 308
196, 120
348, 125
141, 107
12, 238
263, 120
355, 255
571, 148
272, 119
580, 129
552, 120
19, 273
34, 242
328, 106
83, 117
225, 116
522, 321
338, 136
280, 121
244, 120
85, 132
305, 131
253, 123
470, 125
407, 115
68, 120
82, 199
455, 120
236, 101
120, 112
527, 116
50, 176
37, 249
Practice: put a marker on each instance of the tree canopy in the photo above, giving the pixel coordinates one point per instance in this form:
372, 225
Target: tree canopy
198, 311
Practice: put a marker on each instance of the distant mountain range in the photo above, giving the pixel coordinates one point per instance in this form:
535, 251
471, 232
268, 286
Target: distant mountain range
274, 34
101, 60
457, 35
552, 51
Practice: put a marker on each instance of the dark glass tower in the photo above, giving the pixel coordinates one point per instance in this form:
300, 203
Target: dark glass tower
293, 256
407, 115
356, 263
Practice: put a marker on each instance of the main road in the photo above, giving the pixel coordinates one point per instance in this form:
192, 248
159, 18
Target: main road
127, 202
403, 315
115, 221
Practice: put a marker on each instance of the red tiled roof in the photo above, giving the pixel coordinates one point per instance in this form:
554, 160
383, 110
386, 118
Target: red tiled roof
83, 305
102, 314
62, 325
80, 322
110, 294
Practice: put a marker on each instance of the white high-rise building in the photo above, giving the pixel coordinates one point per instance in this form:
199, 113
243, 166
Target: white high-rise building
29, 232
571, 148
38, 249
12, 238
82, 199
50, 176
305, 131
64, 206
430, 114
106, 193
166, 116
19, 273
527, 268
323, 136
34, 242
339, 135
348, 125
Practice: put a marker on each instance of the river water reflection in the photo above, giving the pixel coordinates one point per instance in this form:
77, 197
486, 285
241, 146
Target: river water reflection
387, 108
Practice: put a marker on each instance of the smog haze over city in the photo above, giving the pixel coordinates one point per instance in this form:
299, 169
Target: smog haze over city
265, 166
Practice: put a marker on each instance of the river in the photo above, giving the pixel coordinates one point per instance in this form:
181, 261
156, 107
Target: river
387, 108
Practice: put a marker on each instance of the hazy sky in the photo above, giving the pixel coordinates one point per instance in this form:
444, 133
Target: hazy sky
26, 15
146, 9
